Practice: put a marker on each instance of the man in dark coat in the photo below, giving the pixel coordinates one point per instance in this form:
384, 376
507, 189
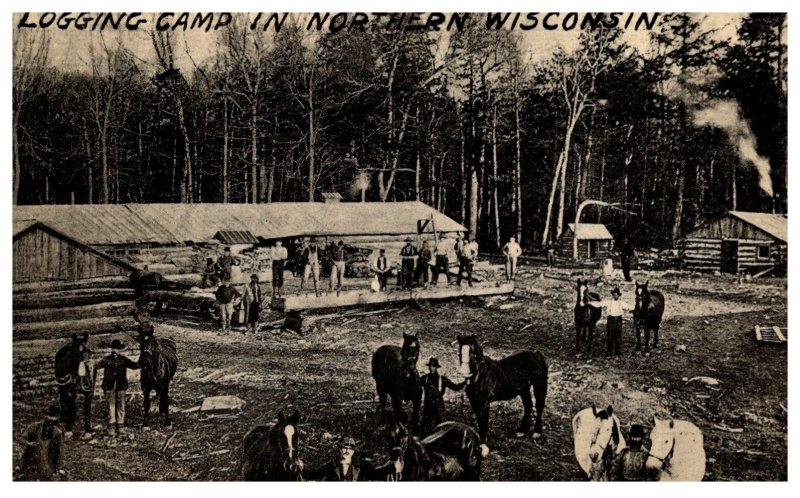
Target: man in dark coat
625, 249
226, 295
349, 467
115, 384
72, 383
43, 440
225, 264
408, 255
629, 464
433, 387
424, 261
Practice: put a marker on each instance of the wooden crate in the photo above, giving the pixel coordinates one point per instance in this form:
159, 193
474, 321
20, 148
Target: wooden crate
771, 334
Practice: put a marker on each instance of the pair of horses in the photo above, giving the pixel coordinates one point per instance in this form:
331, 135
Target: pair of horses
395, 372
676, 451
647, 315
452, 452
158, 359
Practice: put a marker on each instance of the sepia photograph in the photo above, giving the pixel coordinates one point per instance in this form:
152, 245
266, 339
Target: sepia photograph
397, 246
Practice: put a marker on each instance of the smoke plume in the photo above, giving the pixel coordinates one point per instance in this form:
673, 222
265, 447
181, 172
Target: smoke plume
725, 115
360, 182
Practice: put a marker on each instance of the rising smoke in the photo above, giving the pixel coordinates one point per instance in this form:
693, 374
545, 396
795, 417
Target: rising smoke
725, 115
360, 182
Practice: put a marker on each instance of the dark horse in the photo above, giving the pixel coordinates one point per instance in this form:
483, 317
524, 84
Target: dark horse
158, 358
395, 372
647, 315
453, 452
586, 317
489, 380
271, 453
74, 377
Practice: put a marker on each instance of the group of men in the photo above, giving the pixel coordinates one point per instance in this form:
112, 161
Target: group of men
310, 257
423, 266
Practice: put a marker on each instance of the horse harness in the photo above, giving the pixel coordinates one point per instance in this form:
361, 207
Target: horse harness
667, 459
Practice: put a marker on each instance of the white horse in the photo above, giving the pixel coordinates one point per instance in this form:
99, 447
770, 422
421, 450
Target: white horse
597, 441
677, 451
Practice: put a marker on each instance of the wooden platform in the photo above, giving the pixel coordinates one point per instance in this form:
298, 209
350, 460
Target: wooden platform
299, 302
771, 334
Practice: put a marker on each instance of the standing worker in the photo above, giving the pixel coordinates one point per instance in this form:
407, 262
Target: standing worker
424, 263
443, 248
225, 264
551, 254
252, 303
279, 256
225, 295
625, 249
469, 251
512, 251
382, 270
115, 384
209, 274
433, 387
408, 254
337, 270
615, 308
311, 258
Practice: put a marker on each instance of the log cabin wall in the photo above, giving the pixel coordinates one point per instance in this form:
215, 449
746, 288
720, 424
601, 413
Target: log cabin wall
40, 255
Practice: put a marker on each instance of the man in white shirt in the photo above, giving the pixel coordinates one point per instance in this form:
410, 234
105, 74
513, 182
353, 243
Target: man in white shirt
443, 248
614, 311
512, 250
279, 256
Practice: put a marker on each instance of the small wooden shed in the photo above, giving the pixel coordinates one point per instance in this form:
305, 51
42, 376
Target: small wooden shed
42, 253
594, 241
738, 241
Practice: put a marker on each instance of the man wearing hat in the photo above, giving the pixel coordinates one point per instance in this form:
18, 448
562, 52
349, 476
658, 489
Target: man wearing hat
349, 467
115, 384
382, 270
424, 263
614, 310
408, 255
252, 303
226, 294
279, 256
225, 264
629, 464
433, 387
469, 251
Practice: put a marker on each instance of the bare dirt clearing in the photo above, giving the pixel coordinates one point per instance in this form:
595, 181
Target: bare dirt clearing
325, 373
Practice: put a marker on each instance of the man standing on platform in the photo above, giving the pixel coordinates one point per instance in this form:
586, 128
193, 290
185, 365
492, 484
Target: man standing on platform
225, 264
424, 262
337, 270
382, 270
443, 248
279, 257
408, 254
469, 251
311, 258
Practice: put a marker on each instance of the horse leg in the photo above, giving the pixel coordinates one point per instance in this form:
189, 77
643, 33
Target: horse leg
481, 410
87, 412
646, 338
590, 338
577, 336
638, 337
163, 404
655, 335
66, 395
397, 407
382, 414
540, 392
146, 406
415, 403
527, 406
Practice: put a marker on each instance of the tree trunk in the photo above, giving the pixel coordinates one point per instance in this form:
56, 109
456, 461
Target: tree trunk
311, 146
89, 169
104, 156
517, 207
495, 179
254, 150
225, 140
551, 199
462, 165
17, 167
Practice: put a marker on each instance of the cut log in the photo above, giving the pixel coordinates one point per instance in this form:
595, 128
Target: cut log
89, 283
65, 328
113, 309
360, 298
77, 297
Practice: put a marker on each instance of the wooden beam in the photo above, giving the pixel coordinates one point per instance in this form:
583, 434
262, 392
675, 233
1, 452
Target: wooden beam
758, 333
778, 333
363, 297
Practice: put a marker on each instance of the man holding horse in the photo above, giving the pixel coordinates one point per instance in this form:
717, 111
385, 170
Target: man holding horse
73, 373
433, 388
115, 384
615, 309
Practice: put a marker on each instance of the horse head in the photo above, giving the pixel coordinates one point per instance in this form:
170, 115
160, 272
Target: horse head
582, 290
79, 342
285, 444
410, 348
470, 355
605, 438
642, 294
662, 447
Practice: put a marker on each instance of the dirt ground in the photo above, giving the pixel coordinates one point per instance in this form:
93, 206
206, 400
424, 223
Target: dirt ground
325, 373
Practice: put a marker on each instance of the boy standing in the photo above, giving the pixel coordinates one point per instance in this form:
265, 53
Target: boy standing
115, 384
433, 387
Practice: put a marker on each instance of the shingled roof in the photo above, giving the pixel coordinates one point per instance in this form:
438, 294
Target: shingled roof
120, 224
776, 225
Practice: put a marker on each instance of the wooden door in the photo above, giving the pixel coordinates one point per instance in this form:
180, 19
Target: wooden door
730, 256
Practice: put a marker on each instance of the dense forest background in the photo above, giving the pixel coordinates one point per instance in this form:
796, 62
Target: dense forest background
675, 135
